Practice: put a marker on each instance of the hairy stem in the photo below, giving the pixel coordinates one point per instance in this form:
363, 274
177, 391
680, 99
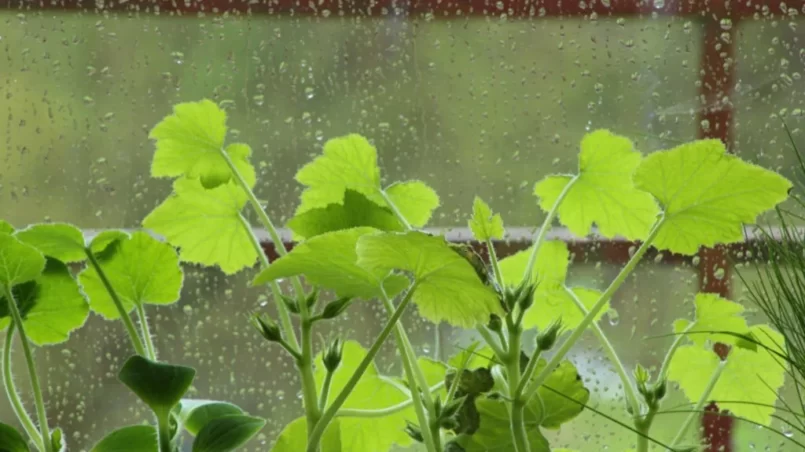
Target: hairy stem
666, 362
389, 410
414, 383
628, 388
599, 305
493, 259
697, 410
543, 230
490, 340
325, 390
124, 315
149, 343
528, 372
305, 366
517, 405
13, 396
34, 377
315, 437
164, 429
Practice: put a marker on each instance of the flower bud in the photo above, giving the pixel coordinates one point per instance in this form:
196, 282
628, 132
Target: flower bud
266, 327
495, 323
335, 308
414, 432
312, 298
448, 423
291, 304
525, 295
660, 389
547, 337
332, 356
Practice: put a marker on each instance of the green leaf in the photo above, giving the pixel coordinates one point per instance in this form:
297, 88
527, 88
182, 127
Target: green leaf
356, 211
6, 228
189, 143
551, 301
103, 240
206, 225
195, 414
51, 305
348, 162
61, 241
134, 438
448, 287
141, 269
161, 386
415, 200
707, 195
484, 225
753, 378
11, 440
373, 391
57, 440
227, 433
329, 260
602, 192
495, 433
714, 313
19, 262
294, 438
557, 410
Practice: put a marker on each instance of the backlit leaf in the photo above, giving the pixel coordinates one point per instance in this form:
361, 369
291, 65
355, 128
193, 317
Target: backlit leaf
19, 262
551, 301
751, 377
294, 438
707, 194
448, 287
51, 305
602, 192
227, 433
348, 162
484, 225
12, 440
355, 211
160, 385
415, 200
101, 242
714, 313
494, 434
195, 414
329, 260
141, 269
61, 241
189, 142
6, 228
135, 438
556, 409
206, 225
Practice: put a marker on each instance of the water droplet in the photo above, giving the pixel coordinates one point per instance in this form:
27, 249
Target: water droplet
613, 317
726, 24
309, 92
719, 273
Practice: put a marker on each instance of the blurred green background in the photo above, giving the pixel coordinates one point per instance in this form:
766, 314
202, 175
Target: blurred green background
484, 105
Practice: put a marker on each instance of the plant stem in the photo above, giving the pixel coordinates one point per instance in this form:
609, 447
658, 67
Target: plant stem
493, 259
29, 360
315, 437
325, 390
13, 396
546, 226
599, 305
386, 411
124, 315
643, 427
700, 404
490, 340
666, 362
305, 366
149, 343
528, 372
409, 362
628, 388
163, 423
516, 407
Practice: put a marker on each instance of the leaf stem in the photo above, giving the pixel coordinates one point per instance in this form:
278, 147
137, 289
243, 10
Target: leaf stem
315, 437
493, 259
528, 373
34, 378
124, 315
305, 366
325, 390
388, 410
517, 406
700, 404
599, 305
13, 396
163, 424
628, 388
546, 226
666, 362
146, 331
490, 340
414, 383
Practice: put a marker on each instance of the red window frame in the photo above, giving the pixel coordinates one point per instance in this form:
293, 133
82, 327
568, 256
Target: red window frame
717, 71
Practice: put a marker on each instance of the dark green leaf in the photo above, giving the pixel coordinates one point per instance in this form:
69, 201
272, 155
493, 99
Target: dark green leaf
226, 433
195, 414
134, 438
106, 238
494, 433
11, 440
355, 211
159, 385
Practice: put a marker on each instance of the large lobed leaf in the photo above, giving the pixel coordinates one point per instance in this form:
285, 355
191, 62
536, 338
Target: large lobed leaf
714, 313
602, 192
19, 262
448, 287
206, 224
707, 194
329, 260
484, 225
65, 242
189, 143
141, 269
356, 211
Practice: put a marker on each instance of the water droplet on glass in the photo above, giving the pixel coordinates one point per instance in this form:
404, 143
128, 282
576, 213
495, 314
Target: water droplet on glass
309, 93
726, 24
719, 273
659, 4
613, 317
